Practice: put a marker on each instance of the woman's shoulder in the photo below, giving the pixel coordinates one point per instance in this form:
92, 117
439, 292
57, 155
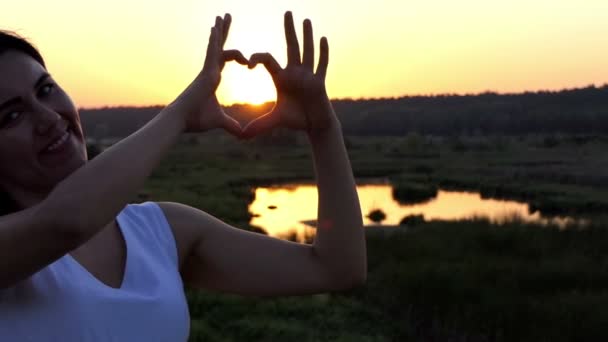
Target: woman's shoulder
147, 222
149, 211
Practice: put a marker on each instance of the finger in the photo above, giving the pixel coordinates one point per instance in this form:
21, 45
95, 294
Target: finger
226, 28
268, 60
219, 26
232, 126
260, 125
212, 50
293, 47
323, 58
308, 59
235, 55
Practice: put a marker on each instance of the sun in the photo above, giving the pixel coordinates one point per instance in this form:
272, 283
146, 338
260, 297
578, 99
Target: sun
241, 85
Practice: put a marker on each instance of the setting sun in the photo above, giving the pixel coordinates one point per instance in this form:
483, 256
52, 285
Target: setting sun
241, 85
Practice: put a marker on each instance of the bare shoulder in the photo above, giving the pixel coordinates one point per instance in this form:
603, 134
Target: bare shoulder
181, 218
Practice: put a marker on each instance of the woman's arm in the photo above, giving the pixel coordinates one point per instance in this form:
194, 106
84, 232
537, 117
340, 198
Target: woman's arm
90, 198
94, 194
303, 103
340, 237
227, 259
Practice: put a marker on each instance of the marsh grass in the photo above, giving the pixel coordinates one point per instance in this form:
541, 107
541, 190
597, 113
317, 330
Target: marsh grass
470, 280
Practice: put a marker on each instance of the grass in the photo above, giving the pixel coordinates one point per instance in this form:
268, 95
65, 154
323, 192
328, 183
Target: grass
560, 179
434, 281
514, 282
470, 280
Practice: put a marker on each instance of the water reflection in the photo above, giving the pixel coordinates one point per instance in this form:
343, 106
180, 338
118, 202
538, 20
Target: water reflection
294, 204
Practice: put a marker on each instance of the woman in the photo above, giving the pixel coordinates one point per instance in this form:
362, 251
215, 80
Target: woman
77, 263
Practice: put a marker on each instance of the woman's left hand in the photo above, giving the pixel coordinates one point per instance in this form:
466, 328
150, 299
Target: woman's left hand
302, 101
198, 102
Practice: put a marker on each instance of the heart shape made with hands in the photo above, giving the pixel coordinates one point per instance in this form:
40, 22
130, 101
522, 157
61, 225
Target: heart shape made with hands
251, 92
301, 97
301, 103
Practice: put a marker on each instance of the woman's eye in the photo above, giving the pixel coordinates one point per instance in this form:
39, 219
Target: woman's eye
10, 117
47, 89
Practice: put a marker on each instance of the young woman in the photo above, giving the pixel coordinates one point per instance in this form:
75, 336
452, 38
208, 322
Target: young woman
78, 263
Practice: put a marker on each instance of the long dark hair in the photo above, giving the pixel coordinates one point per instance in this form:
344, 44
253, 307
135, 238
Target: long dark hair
11, 41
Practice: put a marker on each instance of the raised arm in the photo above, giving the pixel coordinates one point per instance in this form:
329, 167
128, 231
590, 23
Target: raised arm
223, 258
91, 197
303, 104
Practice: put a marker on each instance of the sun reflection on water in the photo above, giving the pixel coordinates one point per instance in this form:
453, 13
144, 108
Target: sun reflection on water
283, 210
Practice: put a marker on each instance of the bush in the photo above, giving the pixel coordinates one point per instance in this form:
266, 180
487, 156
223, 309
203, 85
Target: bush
412, 193
377, 215
412, 220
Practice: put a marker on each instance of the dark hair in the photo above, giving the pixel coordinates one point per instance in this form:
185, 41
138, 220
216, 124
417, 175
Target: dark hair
12, 41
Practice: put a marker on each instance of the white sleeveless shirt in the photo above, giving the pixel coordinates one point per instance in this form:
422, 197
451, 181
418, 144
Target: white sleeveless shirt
64, 302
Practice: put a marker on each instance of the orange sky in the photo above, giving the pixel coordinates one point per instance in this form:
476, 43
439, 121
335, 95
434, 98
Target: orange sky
139, 52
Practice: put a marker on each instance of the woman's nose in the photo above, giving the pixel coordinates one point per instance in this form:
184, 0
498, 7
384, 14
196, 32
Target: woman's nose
46, 119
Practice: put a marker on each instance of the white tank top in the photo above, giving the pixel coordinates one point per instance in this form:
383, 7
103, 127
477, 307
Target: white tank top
64, 302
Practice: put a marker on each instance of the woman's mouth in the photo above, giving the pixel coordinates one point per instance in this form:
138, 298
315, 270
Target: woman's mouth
59, 149
58, 143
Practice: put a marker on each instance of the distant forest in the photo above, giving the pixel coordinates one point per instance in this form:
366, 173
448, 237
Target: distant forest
570, 111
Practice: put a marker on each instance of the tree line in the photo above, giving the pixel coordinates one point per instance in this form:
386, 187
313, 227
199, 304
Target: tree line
569, 111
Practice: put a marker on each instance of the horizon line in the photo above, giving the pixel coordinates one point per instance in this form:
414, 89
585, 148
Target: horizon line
404, 96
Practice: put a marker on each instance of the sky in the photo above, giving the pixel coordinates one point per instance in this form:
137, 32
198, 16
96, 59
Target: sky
135, 52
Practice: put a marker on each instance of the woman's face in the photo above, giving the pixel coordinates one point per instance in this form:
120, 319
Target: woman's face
41, 139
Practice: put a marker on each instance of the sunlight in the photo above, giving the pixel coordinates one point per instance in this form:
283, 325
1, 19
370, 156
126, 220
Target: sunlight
465, 47
279, 210
241, 85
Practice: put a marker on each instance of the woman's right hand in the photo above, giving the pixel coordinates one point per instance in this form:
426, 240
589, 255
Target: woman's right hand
198, 102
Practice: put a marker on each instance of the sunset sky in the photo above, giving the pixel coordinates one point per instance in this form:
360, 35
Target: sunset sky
135, 52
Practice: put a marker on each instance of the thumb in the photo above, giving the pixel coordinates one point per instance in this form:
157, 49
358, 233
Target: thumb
261, 125
232, 126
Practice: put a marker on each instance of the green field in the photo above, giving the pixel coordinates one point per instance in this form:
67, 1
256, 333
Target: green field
467, 280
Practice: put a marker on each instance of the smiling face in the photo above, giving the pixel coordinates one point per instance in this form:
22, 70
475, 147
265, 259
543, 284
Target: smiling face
41, 139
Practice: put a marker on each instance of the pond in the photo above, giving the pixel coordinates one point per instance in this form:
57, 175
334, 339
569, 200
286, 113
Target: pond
291, 209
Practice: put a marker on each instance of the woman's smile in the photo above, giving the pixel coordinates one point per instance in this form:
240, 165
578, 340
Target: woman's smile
59, 149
